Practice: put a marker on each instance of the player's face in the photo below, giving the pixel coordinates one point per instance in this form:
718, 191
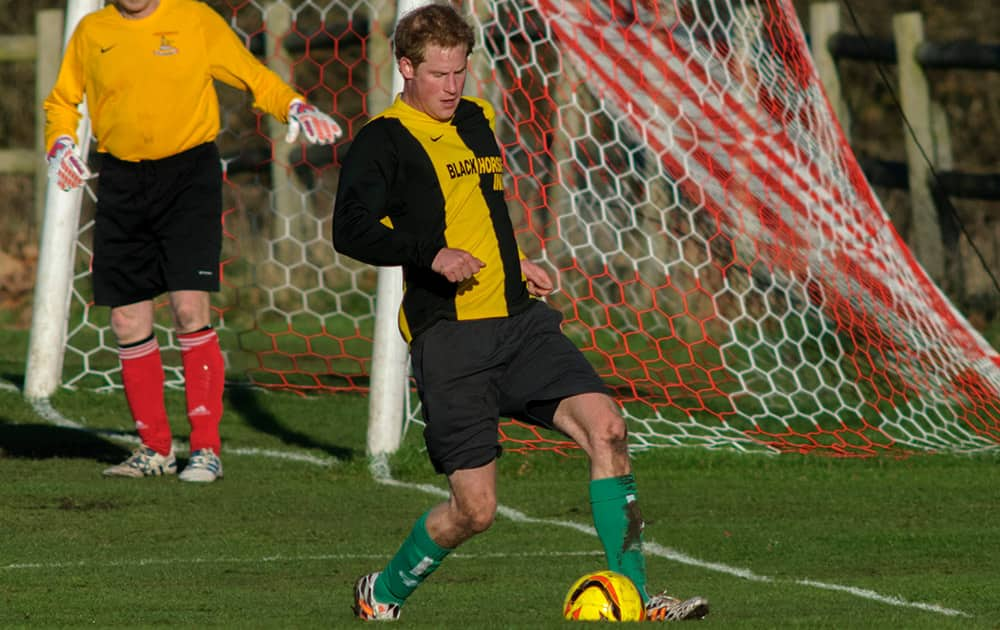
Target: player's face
435, 86
136, 9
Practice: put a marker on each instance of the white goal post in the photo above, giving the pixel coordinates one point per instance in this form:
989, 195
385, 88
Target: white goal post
54, 276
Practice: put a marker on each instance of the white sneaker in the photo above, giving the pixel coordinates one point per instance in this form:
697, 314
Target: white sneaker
144, 462
365, 607
663, 607
204, 466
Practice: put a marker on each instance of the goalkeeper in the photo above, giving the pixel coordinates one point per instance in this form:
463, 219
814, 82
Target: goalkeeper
146, 68
422, 187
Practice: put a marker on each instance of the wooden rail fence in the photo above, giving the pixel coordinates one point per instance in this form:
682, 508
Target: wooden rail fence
928, 172
45, 49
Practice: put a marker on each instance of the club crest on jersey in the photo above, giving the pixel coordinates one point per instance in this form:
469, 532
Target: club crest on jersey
167, 47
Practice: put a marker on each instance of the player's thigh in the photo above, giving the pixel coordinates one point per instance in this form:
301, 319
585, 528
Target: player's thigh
456, 369
190, 225
544, 368
125, 266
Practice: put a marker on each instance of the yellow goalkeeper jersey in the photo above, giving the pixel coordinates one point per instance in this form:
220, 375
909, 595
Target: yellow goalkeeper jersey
149, 82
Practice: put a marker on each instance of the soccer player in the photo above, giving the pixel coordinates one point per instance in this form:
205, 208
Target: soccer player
422, 187
146, 69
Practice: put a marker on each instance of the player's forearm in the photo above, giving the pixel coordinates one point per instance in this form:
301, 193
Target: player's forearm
61, 119
273, 96
270, 93
364, 238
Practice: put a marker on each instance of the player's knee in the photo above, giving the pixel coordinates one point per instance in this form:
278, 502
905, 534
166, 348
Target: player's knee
608, 432
479, 517
189, 318
481, 522
127, 327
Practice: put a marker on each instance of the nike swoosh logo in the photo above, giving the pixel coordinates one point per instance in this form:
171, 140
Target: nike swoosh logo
104, 50
435, 139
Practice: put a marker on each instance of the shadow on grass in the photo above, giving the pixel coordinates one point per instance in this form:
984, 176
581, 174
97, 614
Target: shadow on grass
44, 441
245, 401
14, 378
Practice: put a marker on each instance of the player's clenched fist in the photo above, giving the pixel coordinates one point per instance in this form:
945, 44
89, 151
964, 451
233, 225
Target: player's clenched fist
66, 166
538, 280
457, 265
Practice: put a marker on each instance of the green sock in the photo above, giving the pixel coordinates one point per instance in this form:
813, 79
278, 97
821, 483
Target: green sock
416, 559
619, 526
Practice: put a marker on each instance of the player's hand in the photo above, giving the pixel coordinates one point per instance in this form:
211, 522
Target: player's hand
317, 127
457, 265
66, 166
539, 282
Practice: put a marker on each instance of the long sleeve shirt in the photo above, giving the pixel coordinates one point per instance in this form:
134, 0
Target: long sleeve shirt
149, 82
411, 185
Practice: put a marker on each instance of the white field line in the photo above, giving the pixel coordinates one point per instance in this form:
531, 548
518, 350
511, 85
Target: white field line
885, 599
381, 473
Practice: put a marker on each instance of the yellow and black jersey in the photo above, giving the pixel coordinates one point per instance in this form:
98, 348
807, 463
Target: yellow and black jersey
411, 185
148, 82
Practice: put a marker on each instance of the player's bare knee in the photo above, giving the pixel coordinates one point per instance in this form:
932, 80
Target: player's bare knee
482, 522
479, 517
189, 318
608, 432
126, 327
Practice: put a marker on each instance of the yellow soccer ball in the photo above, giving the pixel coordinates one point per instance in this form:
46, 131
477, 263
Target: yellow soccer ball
603, 596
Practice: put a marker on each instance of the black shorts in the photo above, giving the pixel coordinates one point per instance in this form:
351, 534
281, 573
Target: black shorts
158, 226
471, 373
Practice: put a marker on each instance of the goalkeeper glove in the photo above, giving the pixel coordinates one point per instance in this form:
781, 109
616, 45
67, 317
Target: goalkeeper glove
317, 127
65, 164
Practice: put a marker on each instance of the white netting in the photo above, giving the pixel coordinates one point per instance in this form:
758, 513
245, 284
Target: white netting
720, 257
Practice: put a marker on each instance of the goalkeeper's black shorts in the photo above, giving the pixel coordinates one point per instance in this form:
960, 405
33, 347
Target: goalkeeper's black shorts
158, 226
471, 373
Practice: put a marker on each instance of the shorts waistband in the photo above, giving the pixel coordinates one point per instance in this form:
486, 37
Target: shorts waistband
183, 156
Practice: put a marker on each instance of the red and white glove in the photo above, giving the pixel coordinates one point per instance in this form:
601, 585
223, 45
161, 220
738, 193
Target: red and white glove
317, 127
65, 164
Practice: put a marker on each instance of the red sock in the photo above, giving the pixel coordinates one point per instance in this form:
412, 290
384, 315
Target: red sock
142, 376
204, 379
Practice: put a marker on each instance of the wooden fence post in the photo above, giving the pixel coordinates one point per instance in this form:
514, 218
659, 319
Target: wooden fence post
278, 19
18, 48
824, 22
381, 58
925, 231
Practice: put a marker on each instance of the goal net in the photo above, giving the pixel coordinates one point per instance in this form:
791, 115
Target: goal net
720, 258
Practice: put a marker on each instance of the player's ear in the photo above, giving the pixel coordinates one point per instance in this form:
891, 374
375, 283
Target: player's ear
406, 68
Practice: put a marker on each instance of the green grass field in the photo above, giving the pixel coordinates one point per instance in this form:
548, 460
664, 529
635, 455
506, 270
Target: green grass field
773, 542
